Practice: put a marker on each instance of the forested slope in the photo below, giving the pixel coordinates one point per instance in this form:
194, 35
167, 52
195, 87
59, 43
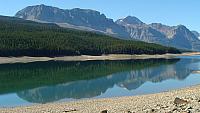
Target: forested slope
26, 38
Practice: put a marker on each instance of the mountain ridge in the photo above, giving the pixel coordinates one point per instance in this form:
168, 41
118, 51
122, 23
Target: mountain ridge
78, 17
128, 28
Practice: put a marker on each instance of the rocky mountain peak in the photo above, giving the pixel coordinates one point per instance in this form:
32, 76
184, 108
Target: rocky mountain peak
196, 34
85, 11
130, 20
41, 5
159, 26
181, 27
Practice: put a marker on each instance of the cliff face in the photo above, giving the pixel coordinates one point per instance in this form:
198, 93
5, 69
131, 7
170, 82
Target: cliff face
176, 36
77, 18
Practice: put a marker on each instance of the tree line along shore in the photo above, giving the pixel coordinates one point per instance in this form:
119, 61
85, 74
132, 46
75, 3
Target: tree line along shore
26, 38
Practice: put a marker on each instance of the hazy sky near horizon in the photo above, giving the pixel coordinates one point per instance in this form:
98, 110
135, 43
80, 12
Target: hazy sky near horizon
170, 12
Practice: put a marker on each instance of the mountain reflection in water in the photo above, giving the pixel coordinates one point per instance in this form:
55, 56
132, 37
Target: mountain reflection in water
42, 82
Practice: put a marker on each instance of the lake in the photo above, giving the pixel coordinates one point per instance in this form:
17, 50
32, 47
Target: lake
56, 81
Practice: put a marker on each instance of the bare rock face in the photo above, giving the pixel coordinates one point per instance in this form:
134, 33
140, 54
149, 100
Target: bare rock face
196, 34
127, 28
77, 17
129, 20
175, 36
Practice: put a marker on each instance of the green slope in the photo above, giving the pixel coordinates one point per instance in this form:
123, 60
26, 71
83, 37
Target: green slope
26, 38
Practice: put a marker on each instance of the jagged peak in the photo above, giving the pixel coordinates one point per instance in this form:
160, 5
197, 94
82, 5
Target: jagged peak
42, 6
85, 10
130, 20
73, 9
156, 24
196, 33
181, 27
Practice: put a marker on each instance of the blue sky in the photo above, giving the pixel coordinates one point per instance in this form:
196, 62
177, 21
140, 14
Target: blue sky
170, 12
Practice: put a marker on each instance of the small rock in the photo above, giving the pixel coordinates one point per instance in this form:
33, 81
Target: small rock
152, 111
104, 111
67, 111
175, 109
178, 101
187, 111
169, 112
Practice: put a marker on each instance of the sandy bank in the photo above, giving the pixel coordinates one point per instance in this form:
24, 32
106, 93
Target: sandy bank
25, 59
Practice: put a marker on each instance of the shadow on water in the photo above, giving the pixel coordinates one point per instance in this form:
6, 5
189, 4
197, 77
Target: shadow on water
42, 82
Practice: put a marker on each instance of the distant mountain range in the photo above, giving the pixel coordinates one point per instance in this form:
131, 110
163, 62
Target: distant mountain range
126, 28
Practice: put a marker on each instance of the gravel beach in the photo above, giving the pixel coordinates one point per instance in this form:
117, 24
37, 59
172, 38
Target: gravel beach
27, 59
185, 100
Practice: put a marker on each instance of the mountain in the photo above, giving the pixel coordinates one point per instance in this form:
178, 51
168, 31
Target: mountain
82, 18
129, 20
140, 31
175, 36
196, 34
127, 28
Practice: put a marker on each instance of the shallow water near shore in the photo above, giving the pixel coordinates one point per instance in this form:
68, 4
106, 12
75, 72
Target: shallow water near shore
55, 81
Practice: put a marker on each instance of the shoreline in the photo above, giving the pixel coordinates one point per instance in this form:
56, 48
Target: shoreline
26, 59
183, 100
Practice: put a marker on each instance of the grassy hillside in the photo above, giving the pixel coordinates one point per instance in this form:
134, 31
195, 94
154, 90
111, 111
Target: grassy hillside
26, 38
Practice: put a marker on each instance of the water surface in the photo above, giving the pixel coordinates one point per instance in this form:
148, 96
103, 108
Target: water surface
54, 81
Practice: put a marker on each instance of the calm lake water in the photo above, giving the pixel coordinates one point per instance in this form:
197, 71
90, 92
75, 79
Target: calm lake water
55, 81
